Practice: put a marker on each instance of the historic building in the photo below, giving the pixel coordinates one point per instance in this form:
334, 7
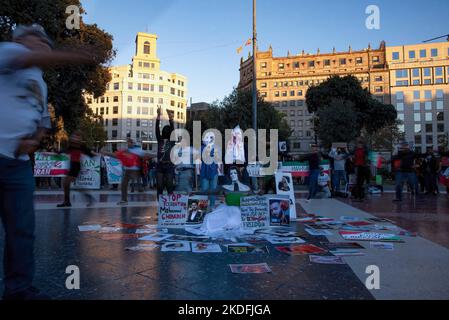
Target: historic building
285, 80
420, 91
129, 106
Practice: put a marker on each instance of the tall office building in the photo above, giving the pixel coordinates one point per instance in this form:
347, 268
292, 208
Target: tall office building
420, 91
284, 81
129, 106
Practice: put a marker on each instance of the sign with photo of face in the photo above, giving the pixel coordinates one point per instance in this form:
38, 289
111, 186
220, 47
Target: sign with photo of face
284, 186
279, 210
196, 209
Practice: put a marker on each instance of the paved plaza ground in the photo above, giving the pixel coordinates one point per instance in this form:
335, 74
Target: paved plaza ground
415, 269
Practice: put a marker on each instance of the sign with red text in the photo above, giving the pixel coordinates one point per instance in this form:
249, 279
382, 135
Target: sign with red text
173, 210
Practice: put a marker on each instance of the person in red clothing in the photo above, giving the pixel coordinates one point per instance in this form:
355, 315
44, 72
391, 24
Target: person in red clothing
75, 150
361, 164
131, 159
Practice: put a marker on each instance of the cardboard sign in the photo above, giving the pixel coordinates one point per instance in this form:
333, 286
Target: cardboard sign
254, 212
89, 177
47, 164
173, 210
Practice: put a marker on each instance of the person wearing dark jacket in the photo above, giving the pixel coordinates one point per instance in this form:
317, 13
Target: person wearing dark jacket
430, 171
362, 170
314, 160
405, 171
165, 168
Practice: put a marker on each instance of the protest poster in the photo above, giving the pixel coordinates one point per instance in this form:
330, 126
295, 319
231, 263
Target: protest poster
301, 249
172, 210
48, 164
369, 236
89, 177
202, 247
196, 209
114, 170
382, 245
284, 186
254, 211
247, 249
156, 237
321, 232
235, 151
326, 259
342, 245
283, 240
279, 210
250, 268
179, 246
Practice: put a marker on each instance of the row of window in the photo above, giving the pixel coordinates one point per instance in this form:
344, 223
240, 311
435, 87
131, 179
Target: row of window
428, 128
300, 123
417, 106
429, 140
291, 103
422, 53
439, 94
419, 76
428, 116
325, 62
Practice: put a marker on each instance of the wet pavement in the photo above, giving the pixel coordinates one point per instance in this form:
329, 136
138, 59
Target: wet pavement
427, 215
108, 271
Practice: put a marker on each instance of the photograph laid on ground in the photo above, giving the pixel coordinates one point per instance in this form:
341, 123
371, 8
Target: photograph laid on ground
229, 158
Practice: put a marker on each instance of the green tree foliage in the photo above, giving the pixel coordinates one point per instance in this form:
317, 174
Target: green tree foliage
386, 138
366, 112
68, 84
236, 109
92, 131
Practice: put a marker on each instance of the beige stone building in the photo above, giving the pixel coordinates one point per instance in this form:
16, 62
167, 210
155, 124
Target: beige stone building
420, 91
285, 81
129, 106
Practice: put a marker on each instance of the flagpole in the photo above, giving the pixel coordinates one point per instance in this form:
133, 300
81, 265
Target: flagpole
254, 107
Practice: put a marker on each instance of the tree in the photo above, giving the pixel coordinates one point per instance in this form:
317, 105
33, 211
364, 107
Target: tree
66, 85
235, 109
338, 123
367, 113
92, 131
386, 138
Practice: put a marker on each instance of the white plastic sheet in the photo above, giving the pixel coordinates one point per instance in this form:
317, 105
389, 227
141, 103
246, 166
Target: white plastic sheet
224, 222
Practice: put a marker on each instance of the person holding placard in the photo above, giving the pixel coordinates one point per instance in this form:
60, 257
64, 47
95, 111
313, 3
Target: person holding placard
165, 168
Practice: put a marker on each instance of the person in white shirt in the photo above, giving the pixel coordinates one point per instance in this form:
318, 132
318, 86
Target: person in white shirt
324, 183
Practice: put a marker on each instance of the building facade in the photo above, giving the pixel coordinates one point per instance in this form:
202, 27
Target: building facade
420, 91
129, 106
284, 81
196, 110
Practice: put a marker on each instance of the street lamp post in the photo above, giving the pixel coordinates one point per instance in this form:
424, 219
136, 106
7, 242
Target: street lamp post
254, 106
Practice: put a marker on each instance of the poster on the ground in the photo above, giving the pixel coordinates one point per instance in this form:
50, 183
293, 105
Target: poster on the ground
89, 177
280, 210
113, 169
250, 268
369, 236
173, 210
284, 186
48, 164
255, 213
197, 207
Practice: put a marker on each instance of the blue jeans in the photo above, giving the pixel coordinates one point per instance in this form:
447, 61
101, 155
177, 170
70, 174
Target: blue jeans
401, 177
210, 185
336, 179
184, 181
313, 183
17, 215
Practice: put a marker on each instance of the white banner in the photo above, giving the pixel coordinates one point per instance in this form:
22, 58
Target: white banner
89, 177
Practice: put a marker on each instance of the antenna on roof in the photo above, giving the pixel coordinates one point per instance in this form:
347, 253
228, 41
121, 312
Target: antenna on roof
445, 36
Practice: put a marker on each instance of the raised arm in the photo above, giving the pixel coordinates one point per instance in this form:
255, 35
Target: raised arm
158, 121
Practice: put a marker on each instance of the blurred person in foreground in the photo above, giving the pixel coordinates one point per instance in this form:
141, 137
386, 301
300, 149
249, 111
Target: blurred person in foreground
24, 122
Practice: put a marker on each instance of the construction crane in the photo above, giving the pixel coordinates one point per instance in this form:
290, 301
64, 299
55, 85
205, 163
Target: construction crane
445, 36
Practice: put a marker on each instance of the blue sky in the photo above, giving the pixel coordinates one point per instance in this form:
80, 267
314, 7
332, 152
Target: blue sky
199, 38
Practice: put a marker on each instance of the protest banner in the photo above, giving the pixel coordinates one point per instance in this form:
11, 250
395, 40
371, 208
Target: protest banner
369, 236
255, 214
114, 170
301, 169
89, 177
48, 164
284, 186
173, 210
